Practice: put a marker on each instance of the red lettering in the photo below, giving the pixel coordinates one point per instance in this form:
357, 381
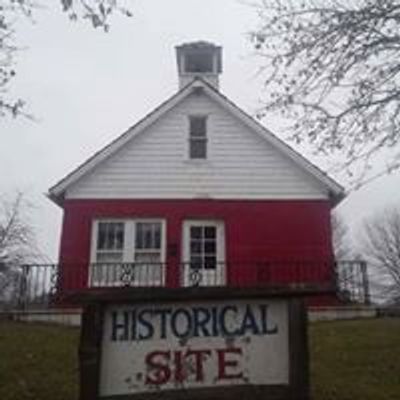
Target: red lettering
200, 356
179, 375
158, 371
224, 364
165, 366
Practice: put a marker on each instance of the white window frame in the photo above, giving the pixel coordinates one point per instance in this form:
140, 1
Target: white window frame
128, 253
206, 139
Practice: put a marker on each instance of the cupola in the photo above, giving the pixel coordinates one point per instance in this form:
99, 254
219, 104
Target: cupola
199, 59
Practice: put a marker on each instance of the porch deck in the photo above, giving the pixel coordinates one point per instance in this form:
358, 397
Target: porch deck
40, 286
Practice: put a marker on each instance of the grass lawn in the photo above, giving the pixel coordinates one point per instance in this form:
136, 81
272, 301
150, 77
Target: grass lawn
357, 360
38, 362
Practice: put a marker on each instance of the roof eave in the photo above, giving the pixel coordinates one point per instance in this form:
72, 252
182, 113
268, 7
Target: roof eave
57, 199
337, 198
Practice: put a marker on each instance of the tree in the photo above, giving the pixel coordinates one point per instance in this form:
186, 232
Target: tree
352, 279
17, 243
340, 238
333, 68
381, 243
97, 12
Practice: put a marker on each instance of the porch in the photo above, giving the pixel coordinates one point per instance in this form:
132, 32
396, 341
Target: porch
43, 286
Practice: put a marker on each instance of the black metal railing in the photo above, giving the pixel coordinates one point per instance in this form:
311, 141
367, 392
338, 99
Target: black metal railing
352, 281
194, 274
40, 286
126, 274
33, 286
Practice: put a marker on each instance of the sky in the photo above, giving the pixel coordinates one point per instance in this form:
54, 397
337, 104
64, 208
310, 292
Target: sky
85, 87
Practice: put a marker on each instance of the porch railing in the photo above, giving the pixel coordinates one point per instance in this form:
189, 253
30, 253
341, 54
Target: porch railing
38, 286
352, 281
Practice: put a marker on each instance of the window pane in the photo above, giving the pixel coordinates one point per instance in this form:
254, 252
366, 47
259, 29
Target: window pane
196, 232
148, 243
108, 257
198, 149
210, 246
157, 236
101, 236
147, 258
195, 247
196, 262
139, 236
210, 262
148, 235
110, 236
198, 127
199, 62
209, 232
119, 236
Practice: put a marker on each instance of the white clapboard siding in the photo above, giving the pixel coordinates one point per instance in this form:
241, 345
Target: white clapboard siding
240, 163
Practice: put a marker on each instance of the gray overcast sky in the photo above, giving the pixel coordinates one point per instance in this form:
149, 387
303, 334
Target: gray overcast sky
86, 87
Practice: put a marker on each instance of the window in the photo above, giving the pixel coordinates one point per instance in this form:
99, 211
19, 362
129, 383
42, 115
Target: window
203, 247
148, 242
129, 251
197, 137
199, 62
110, 242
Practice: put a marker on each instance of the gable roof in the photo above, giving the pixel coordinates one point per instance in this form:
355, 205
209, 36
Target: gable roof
56, 192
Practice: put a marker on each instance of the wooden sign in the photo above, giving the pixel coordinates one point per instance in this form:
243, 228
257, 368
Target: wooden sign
197, 348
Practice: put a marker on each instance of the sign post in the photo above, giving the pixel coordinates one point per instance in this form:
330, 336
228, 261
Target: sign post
200, 344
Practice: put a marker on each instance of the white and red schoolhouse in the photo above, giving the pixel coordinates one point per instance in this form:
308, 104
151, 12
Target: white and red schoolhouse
197, 192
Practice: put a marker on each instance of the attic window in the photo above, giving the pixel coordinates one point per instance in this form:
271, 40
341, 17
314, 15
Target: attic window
197, 137
199, 62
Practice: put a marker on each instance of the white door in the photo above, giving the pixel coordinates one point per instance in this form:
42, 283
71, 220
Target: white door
203, 253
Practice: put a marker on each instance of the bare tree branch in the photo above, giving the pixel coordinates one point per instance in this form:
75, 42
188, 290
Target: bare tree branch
97, 12
334, 70
17, 242
341, 238
381, 243
17, 238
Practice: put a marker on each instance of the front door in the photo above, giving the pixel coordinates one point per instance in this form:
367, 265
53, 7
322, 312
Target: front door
203, 253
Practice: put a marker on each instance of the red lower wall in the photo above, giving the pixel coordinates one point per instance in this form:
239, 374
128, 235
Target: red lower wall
255, 231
